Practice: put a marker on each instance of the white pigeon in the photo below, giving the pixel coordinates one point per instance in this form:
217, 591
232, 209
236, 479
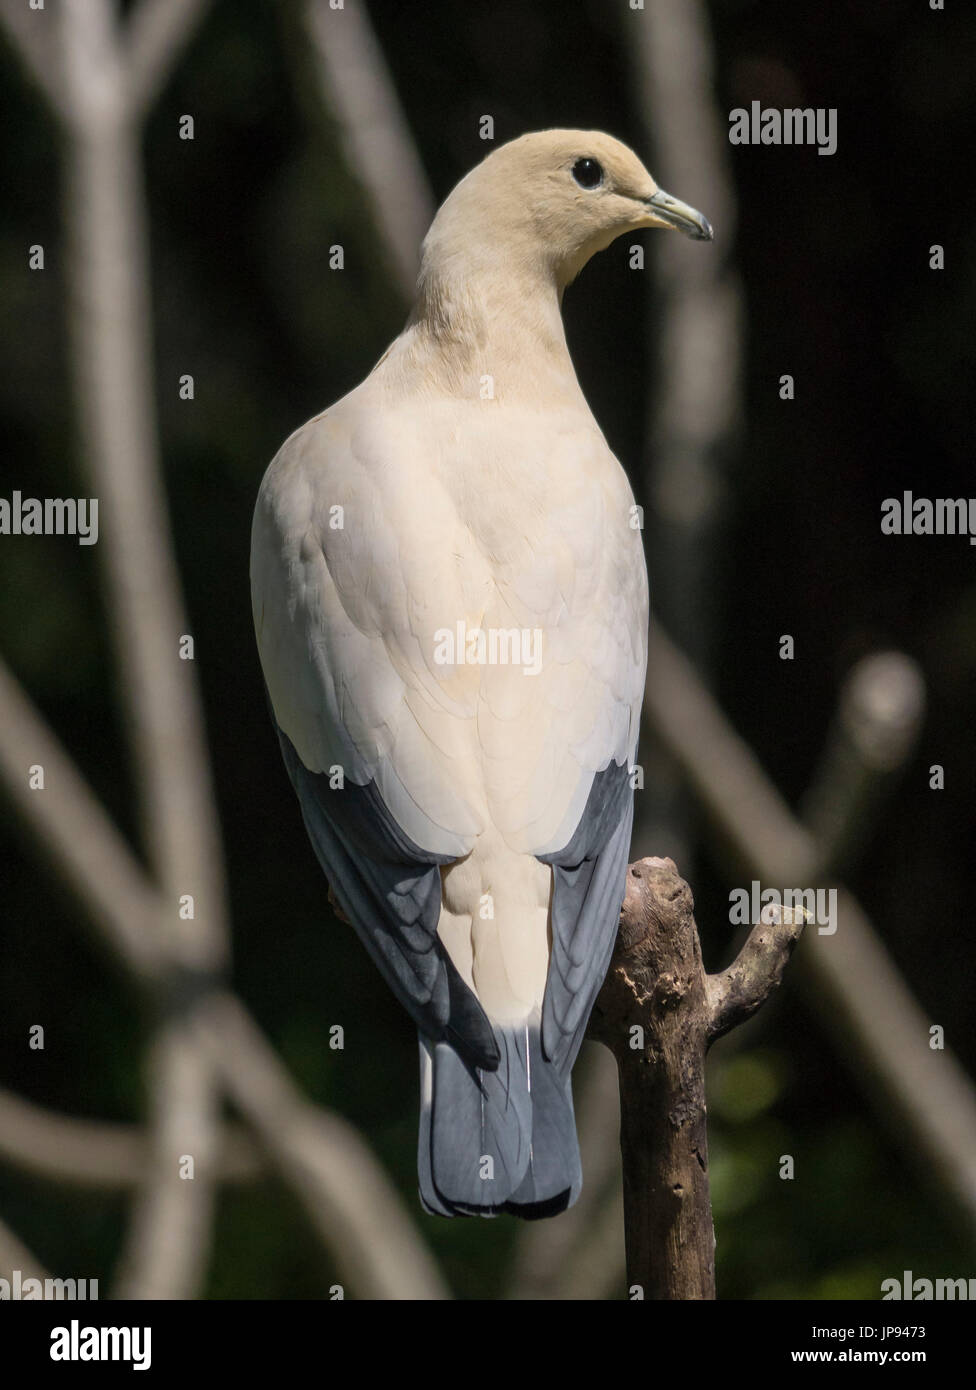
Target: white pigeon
450, 602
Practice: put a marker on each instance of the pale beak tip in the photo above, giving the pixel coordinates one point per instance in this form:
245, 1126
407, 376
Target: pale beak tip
706, 233
674, 213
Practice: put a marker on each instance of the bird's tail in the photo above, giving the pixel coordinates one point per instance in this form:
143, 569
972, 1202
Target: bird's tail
502, 1140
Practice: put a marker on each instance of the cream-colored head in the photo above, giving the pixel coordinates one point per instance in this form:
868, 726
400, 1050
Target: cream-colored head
547, 202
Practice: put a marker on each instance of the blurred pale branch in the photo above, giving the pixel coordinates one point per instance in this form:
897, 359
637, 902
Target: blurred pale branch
878, 718
14, 1254
379, 148
695, 405
153, 37
98, 1153
110, 319
321, 1156
695, 315
78, 835
31, 32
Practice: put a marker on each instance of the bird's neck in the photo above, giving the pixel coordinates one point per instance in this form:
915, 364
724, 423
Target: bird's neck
483, 325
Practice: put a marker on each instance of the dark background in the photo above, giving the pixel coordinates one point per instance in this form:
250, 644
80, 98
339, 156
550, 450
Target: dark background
833, 255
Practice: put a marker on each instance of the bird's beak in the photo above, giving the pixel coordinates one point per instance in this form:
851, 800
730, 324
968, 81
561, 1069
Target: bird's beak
671, 212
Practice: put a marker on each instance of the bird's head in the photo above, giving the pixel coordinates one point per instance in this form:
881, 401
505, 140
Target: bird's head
553, 199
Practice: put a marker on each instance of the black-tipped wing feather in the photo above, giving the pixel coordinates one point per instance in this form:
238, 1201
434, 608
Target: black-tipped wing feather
588, 889
390, 889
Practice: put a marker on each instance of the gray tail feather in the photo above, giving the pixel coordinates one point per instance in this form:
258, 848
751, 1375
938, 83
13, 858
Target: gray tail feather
502, 1140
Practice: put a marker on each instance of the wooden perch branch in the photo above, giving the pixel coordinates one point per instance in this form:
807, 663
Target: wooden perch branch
736, 994
658, 1012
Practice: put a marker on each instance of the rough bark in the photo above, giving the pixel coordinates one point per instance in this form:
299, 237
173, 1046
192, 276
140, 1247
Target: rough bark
658, 1012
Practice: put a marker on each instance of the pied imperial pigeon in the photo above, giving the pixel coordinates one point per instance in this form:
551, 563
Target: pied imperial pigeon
450, 602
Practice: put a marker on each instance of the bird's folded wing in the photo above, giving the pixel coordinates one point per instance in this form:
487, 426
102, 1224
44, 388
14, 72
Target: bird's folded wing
332, 618
390, 889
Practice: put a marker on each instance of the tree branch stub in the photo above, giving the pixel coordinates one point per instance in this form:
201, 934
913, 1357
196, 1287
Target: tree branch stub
659, 1012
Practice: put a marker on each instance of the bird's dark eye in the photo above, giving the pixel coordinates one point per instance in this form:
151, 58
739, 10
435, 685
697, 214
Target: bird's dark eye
588, 173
